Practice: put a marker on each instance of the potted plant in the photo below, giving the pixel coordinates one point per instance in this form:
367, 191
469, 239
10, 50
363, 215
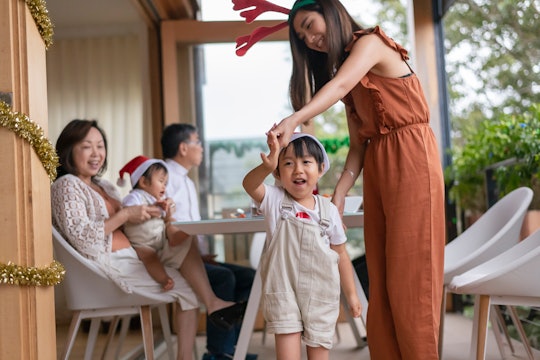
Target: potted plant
512, 144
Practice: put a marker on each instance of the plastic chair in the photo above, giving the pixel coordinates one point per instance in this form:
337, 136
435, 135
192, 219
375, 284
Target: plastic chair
256, 249
510, 278
494, 232
90, 294
255, 252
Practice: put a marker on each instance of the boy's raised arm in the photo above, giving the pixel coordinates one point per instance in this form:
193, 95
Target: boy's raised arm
253, 181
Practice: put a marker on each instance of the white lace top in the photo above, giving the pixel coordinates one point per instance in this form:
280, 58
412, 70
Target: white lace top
79, 214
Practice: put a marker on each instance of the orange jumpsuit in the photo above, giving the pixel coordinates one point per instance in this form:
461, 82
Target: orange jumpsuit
404, 213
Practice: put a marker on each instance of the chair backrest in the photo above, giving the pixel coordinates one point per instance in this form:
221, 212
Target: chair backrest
88, 287
511, 273
257, 246
496, 231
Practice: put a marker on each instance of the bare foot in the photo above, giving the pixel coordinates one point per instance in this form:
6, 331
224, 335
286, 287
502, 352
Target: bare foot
168, 284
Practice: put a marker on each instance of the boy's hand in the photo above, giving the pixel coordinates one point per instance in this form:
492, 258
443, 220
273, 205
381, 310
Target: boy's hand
270, 161
167, 205
355, 305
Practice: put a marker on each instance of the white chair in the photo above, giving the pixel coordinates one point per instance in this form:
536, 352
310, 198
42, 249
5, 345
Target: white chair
255, 252
90, 294
510, 278
256, 249
494, 232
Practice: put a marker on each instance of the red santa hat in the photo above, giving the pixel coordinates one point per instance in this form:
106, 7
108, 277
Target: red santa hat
135, 168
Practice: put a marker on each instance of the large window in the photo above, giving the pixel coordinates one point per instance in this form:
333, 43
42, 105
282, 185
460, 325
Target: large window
241, 98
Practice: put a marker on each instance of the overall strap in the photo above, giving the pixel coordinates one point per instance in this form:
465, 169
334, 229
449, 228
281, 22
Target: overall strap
287, 207
324, 209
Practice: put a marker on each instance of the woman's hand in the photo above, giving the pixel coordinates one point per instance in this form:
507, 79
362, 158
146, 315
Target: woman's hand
140, 213
284, 130
339, 201
154, 211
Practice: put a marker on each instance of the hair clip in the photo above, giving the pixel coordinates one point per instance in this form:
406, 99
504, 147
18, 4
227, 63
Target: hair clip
250, 10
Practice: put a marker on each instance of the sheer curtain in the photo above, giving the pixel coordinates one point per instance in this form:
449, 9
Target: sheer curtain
99, 78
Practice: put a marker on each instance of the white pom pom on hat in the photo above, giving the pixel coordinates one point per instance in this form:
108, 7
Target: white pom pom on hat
326, 160
135, 168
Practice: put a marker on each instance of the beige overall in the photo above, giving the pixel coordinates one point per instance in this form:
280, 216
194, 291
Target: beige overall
300, 276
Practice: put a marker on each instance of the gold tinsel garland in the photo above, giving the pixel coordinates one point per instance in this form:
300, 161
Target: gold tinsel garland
21, 125
31, 276
39, 12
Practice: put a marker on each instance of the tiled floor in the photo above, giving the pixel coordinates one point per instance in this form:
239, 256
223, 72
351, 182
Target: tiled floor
457, 337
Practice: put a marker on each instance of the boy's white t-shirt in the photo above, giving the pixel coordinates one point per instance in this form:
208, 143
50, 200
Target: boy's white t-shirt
270, 207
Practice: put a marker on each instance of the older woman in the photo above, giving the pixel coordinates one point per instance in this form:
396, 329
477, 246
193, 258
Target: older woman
88, 212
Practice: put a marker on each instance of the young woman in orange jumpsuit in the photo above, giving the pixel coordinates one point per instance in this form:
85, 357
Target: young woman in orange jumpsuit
391, 141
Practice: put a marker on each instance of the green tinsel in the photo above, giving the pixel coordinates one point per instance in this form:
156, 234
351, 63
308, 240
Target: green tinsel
331, 145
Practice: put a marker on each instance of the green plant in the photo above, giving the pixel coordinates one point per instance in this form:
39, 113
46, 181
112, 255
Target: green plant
514, 137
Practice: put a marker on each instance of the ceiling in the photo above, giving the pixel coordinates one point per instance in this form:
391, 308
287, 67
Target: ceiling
68, 15
88, 13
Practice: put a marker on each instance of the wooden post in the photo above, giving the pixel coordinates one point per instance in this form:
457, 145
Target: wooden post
424, 55
27, 312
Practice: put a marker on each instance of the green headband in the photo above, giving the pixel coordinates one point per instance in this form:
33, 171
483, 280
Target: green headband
298, 5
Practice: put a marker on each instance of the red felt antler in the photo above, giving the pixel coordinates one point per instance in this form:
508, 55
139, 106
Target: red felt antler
256, 8
251, 10
243, 43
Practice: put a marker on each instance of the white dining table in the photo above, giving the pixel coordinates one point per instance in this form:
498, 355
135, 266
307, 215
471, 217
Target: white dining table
256, 224
247, 224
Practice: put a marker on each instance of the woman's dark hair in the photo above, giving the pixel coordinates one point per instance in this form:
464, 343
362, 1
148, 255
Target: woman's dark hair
172, 136
74, 133
306, 146
313, 69
147, 175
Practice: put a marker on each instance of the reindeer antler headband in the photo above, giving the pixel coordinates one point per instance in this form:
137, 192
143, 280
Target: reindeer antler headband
251, 9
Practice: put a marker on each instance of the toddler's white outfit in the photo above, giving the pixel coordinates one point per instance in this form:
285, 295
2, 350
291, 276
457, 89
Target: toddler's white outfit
151, 233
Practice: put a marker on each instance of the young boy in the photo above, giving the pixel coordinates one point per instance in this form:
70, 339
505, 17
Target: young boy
304, 261
149, 239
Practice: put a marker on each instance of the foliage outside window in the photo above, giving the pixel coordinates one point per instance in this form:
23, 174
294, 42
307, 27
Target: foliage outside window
493, 52
492, 69
492, 141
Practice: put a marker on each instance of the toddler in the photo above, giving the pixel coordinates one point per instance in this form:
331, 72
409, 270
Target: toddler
149, 239
304, 261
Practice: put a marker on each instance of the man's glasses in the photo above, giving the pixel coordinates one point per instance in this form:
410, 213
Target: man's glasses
193, 142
